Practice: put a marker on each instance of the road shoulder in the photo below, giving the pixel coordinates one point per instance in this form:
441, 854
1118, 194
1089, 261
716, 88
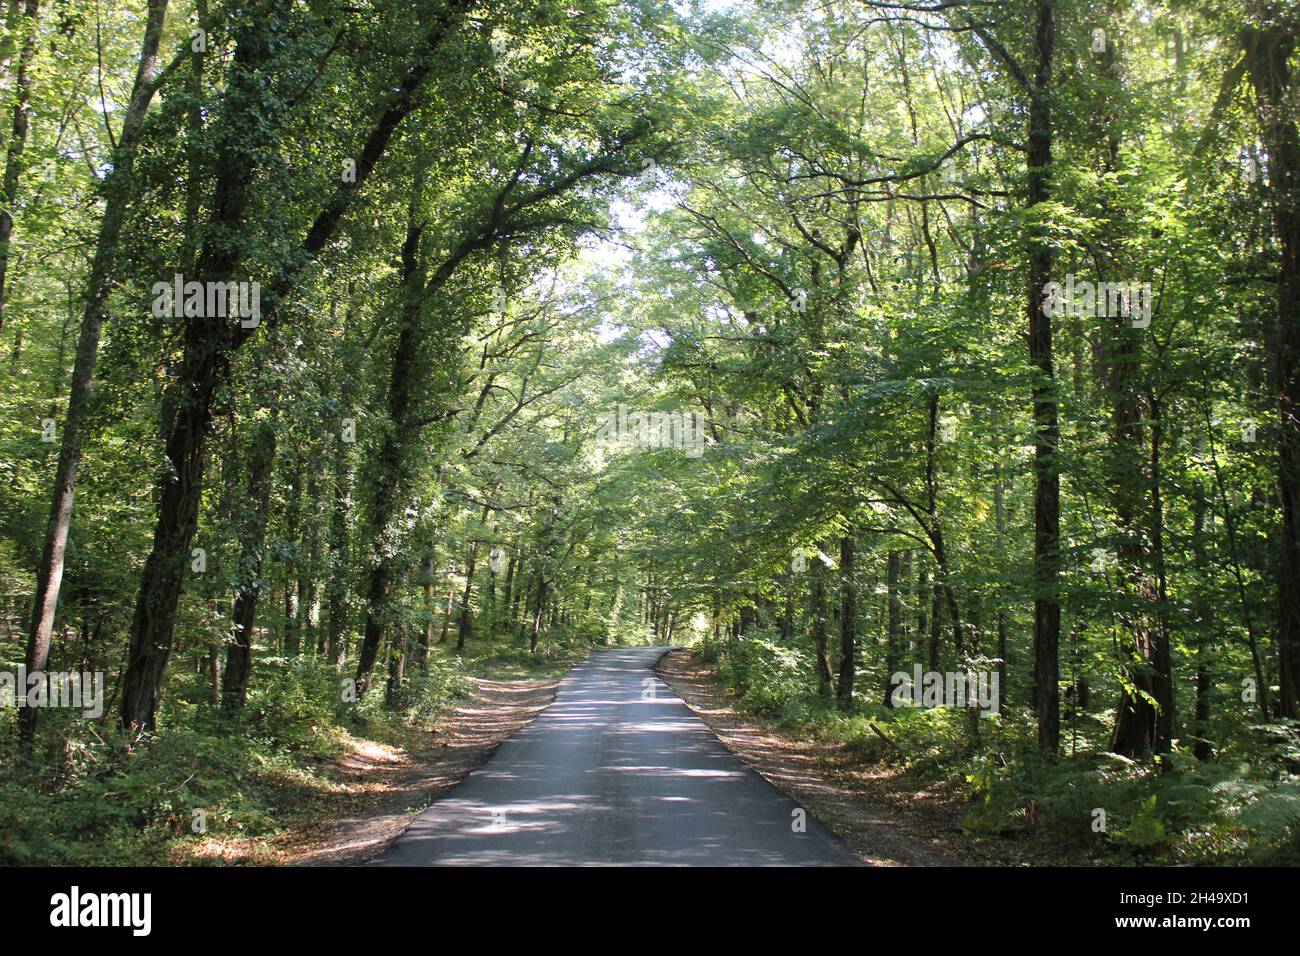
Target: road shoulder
377, 790
805, 771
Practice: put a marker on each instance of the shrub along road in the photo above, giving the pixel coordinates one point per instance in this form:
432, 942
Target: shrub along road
616, 771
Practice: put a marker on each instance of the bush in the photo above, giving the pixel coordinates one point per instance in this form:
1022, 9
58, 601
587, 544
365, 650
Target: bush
767, 675
94, 796
426, 696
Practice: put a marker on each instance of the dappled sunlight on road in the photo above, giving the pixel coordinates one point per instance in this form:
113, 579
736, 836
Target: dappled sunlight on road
616, 771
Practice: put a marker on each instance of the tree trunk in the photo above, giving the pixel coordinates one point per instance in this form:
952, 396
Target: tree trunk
1268, 52
894, 632
249, 124
30, 29
1000, 517
395, 448
397, 656
117, 190
537, 615
848, 624
1047, 482
446, 617
522, 595
821, 643
308, 599
924, 599
292, 574
936, 627
209, 343
1201, 749
1136, 718
507, 596
426, 626
239, 652
463, 631
463, 624
336, 584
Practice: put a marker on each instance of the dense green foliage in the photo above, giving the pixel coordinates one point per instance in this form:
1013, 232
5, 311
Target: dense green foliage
492, 239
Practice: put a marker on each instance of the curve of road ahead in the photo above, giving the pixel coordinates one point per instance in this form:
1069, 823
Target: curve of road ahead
616, 771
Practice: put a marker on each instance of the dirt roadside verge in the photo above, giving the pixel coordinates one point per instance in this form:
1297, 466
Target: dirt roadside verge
394, 794
805, 770
377, 790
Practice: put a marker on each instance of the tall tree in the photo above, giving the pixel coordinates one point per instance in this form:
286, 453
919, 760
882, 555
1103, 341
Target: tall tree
1269, 41
117, 188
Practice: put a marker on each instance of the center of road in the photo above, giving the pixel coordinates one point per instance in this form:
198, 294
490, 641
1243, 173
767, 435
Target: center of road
616, 771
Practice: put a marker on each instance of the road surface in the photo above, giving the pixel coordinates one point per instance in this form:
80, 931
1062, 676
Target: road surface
617, 770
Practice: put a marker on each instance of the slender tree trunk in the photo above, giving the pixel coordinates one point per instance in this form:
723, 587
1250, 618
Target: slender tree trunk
936, 627
522, 595
214, 671
537, 614
308, 592
1201, 749
117, 189
1268, 55
336, 584
397, 655
292, 574
848, 623
395, 448
12, 11
894, 632
821, 643
1234, 558
1047, 482
1000, 513
507, 597
943, 572
463, 624
494, 559
463, 631
30, 28
446, 617
1136, 718
426, 626
239, 652
924, 599
1162, 659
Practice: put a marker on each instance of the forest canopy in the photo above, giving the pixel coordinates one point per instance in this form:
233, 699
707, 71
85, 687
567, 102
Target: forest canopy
930, 368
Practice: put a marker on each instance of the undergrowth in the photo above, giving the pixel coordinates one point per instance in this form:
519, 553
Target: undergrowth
90, 794
1242, 807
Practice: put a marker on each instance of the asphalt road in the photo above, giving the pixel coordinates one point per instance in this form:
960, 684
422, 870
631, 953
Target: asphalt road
616, 771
